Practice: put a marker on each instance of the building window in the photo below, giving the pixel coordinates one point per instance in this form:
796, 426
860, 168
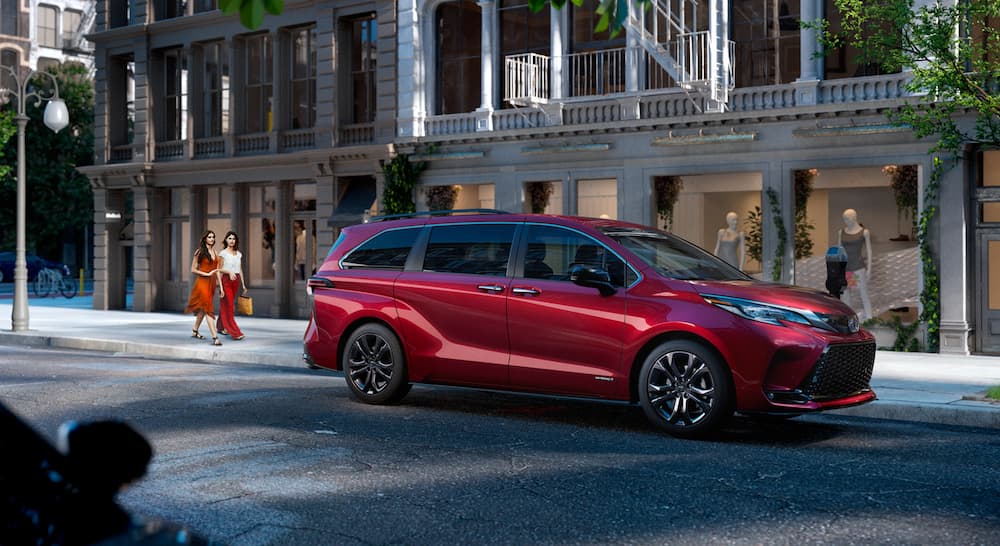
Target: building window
177, 230
8, 17
9, 58
70, 26
260, 250
173, 107
45, 64
168, 9
304, 229
48, 26
521, 31
201, 6
848, 61
766, 34
119, 13
459, 44
596, 65
219, 211
257, 84
121, 90
363, 51
302, 105
214, 118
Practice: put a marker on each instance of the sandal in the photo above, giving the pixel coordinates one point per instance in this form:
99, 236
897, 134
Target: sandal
223, 332
239, 337
195, 334
215, 341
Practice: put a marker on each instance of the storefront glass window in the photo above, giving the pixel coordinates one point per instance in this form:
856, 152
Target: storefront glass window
869, 211
597, 198
259, 249
716, 212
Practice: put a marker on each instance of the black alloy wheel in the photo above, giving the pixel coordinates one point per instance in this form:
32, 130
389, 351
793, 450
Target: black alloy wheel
684, 388
374, 365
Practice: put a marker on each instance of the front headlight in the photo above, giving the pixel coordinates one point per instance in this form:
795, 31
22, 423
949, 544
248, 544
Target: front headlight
755, 310
774, 314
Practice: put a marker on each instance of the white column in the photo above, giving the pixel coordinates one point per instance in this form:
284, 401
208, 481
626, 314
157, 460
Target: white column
488, 55
809, 11
559, 40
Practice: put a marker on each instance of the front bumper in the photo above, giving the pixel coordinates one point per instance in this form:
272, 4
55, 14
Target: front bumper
840, 377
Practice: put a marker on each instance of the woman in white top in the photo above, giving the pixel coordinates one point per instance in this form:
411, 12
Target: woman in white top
231, 271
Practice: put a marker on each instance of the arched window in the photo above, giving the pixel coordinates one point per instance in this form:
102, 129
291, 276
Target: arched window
459, 44
11, 59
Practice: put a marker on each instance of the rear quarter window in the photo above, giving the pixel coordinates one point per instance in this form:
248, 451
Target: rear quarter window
387, 250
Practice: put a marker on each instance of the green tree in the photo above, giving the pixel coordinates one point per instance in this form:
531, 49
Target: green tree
951, 76
59, 199
251, 11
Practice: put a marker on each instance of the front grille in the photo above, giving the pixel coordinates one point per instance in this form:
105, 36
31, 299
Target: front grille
843, 370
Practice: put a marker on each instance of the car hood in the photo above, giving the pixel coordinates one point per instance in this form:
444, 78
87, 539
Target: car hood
776, 294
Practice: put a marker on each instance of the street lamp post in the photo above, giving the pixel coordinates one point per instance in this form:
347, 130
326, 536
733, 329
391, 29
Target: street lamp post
56, 118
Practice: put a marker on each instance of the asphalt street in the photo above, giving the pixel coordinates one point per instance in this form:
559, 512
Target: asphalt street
254, 454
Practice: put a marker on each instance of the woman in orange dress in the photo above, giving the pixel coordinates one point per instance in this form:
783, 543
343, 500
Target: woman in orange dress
205, 267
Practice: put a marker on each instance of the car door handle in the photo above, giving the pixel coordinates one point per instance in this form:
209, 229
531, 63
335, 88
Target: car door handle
495, 288
526, 291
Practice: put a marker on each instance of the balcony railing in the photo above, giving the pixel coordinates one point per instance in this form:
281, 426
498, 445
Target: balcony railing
672, 103
121, 153
354, 134
210, 146
298, 139
254, 143
171, 149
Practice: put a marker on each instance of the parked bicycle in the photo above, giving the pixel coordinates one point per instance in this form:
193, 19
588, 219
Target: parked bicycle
53, 281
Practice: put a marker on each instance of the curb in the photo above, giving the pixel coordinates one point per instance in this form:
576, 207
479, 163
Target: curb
965, 413
214, 356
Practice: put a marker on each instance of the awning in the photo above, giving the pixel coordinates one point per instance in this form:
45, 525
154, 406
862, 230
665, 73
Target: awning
359, 197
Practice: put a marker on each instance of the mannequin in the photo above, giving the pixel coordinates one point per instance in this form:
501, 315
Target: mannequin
854, 238
730, 244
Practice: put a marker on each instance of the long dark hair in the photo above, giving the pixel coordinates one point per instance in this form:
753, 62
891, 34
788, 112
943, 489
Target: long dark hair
203, 246
225, 245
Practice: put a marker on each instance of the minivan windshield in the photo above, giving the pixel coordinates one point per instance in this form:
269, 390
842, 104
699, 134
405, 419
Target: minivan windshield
674, 257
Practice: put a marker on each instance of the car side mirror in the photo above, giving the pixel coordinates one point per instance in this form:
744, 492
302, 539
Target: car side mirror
592, 277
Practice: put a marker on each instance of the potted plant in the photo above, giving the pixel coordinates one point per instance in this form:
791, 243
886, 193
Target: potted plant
441, 197
539, 194
904, 189
667, 189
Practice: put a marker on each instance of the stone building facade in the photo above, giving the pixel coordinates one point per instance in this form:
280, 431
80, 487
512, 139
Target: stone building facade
280, 133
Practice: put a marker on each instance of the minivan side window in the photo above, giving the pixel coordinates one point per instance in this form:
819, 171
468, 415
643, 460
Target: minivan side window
553, 251
475, 249
387, 250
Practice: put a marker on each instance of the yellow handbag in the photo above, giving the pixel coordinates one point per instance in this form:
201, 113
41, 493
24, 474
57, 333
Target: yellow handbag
244, 305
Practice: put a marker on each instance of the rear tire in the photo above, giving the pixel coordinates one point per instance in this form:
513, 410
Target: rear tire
684, 388
67, 288
374, 365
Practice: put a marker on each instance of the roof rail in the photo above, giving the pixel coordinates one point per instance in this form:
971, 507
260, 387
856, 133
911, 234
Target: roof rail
446, 212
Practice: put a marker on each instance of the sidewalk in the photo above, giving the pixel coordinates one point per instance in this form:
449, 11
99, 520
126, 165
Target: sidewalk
910, 386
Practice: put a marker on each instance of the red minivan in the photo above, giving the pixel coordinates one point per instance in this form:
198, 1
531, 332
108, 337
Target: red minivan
578, 307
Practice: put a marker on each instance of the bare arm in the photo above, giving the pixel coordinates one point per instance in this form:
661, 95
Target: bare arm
718, 242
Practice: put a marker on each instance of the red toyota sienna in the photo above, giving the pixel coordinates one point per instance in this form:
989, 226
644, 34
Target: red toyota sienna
578, 307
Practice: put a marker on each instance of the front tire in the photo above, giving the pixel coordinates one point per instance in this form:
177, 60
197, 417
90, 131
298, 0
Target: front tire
374, 365
684, 388
41, 286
